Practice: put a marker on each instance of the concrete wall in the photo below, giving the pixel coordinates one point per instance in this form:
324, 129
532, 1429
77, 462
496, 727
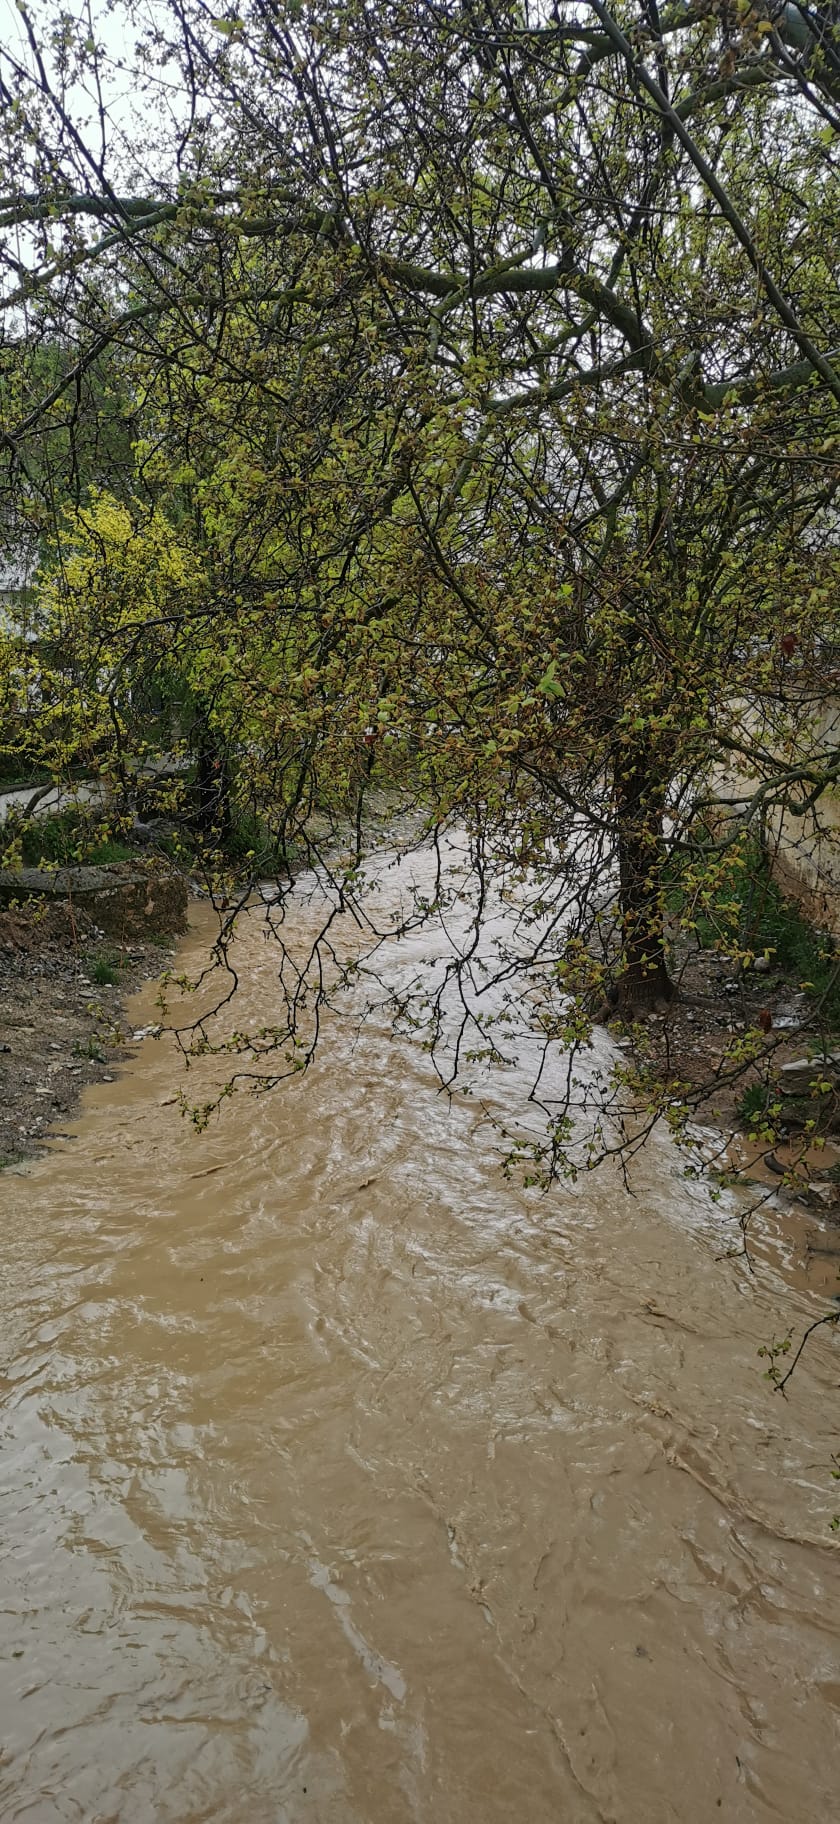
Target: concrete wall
806, 850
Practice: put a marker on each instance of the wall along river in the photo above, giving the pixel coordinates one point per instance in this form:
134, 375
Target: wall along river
344, 1482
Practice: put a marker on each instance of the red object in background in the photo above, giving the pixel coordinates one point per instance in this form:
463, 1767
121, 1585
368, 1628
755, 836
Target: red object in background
764, 1019
788, 644
369, 737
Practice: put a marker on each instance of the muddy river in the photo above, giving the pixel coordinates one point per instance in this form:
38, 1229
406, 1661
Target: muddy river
345, 1482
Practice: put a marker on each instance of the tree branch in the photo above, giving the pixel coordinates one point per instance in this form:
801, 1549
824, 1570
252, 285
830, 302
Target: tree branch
701, 165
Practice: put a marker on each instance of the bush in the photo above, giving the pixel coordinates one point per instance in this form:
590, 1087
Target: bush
735, 905
758, 1107
71, 838
800, 950
250, 840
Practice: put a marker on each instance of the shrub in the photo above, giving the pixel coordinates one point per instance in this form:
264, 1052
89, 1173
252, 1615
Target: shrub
735, 904
71, 838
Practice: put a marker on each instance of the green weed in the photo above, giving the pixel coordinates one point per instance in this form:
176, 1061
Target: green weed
92, 1051
105, 972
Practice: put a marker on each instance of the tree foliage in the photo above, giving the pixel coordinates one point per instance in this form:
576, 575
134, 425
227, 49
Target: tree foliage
475, 427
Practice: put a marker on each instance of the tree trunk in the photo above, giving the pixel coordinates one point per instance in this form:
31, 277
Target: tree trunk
644, 985
212, 781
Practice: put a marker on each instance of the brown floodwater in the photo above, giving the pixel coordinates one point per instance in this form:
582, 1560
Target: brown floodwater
344, 1482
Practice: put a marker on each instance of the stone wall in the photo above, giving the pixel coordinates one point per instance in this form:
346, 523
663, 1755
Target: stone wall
121, 899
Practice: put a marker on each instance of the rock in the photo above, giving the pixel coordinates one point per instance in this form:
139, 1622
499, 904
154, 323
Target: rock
822, 1196
761, 965
797, 1076
785, 1020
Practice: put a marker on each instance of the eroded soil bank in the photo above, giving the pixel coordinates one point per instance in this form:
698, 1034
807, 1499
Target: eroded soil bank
63, 992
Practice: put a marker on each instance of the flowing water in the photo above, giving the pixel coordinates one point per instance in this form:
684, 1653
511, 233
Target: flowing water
344, 1482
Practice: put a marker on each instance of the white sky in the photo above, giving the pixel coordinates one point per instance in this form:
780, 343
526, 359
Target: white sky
144, 113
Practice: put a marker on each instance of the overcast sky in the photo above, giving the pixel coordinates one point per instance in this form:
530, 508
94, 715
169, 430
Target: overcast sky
144, 111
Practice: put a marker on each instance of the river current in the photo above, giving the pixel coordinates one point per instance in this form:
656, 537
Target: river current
344, 1481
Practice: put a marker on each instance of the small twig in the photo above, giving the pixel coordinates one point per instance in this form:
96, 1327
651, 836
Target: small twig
831, 1317
36, 798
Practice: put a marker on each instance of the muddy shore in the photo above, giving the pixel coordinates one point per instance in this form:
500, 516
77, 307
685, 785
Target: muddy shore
65, 982
63, 990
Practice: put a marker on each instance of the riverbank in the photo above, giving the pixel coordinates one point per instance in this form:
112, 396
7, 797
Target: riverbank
63, 991
65, 981
706, 1047
64, 985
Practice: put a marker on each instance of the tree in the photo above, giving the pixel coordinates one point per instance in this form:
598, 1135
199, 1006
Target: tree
501, 421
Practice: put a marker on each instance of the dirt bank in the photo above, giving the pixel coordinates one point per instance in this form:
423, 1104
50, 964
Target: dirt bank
63, 988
